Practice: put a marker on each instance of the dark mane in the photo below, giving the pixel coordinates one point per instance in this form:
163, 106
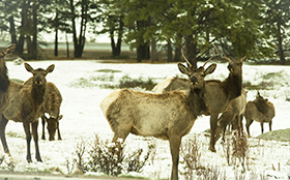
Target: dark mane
196, 102
261, 105
232, 86
4, 80
37, 93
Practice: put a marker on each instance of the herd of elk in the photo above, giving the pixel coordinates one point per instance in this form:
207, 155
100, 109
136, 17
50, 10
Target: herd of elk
218, 94
260, 110
51, 106
168, 115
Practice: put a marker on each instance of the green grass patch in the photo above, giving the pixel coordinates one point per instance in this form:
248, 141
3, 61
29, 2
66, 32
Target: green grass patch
127, 82
108, 71
15, 135
277, 135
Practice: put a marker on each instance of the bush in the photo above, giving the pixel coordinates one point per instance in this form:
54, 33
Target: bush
127, 82
109, 158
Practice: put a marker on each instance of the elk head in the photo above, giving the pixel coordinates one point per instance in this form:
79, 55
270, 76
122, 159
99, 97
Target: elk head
52, 125
235, 67
196, 75
39, 74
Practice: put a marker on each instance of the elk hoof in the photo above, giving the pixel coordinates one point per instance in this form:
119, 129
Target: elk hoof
212, 149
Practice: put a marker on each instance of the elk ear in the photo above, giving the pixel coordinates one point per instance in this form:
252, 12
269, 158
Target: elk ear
183, 69
243, 58
59, 118
28, 67
50, 68
210, 69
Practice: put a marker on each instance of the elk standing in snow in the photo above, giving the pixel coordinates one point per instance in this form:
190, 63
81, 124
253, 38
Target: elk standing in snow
51, 106
260, 110
4, 80
24, 105
169, 115
234, 113
218, 94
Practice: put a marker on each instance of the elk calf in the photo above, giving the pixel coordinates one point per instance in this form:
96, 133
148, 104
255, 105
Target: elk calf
51, 106
24, 105
234, 113
169, 115
260, 110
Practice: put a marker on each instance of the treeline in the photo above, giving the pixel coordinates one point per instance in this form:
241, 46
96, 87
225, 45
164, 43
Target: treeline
254, 28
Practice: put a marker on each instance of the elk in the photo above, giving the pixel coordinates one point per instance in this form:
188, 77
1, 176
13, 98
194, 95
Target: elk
51, 106
4, 80
234, 113
24, 105
218, 94
168, 115
260, 110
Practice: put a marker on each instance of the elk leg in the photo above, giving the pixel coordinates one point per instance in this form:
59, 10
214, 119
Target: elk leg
262, 127
213, 125
174, 141
43, 127
35, 138
26, 126
248, 123
241, 123
58, 132
270, 125
3, 123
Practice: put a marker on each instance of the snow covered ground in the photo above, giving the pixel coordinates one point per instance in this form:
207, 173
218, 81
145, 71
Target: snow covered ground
78, 82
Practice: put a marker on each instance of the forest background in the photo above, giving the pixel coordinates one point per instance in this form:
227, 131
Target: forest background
143, 30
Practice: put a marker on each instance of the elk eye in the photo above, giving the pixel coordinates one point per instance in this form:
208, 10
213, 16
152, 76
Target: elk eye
202, 75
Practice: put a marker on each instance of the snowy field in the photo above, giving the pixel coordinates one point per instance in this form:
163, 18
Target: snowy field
79, 83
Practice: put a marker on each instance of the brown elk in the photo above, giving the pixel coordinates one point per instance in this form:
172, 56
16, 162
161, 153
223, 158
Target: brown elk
169, 115
218, 94
260, 110
51, 106
234, 113
24, 105
4, 80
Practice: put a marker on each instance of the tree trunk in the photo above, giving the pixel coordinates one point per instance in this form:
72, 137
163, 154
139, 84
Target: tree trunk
19, 47
67, 46
34, 31
56, 34
177, 54
280, 44
113, 45
74, 27
169, 51
12, 30
120, 35
153, 50
191, 49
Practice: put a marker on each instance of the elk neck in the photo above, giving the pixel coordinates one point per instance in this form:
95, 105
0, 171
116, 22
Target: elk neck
233, 85
261, 105
4, 80
38, 92
196, 102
